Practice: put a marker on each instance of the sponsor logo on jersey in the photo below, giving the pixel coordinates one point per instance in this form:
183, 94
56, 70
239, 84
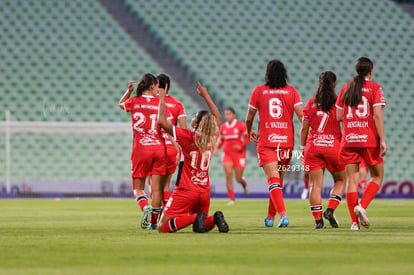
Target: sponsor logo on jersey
147, 141
136, 106
277, 138
230, 137
350, 138
366, 90
170, 105
324, 142
199, 181
151, 107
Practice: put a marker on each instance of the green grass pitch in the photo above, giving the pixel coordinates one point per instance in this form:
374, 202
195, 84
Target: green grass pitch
101, 236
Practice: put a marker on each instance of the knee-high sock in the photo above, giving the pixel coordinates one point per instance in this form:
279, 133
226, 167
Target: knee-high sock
276, 195
369, 194
175, 224
352, 201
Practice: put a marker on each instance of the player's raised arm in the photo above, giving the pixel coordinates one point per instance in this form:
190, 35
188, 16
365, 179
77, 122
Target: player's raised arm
202, 91
162, 116
127, 94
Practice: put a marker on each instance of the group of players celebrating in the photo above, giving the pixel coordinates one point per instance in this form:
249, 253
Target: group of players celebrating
159, 143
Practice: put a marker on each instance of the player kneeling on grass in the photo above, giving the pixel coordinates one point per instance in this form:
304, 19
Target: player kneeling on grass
359, 105
190, 201
321, 146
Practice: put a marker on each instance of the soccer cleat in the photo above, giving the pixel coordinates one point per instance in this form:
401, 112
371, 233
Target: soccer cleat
199, 223
146, 215
355, 226
246, 190
268, 222
362, 214
305, 193
330, 216
221, 222
283, 222
153, 227
231, 202
319, 224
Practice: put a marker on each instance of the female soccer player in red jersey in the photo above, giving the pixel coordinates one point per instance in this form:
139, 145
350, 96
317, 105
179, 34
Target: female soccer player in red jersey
359, 105
233, 136
148, 153
190, 201
276, 102
320, 147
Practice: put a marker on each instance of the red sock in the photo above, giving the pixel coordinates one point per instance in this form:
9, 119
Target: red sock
209, 223
175, 224
352, 201
316, 211
276, 195
369, 194
230, 193
154, 215
166, 196
141, 201
334, 201
306, 180
271, 212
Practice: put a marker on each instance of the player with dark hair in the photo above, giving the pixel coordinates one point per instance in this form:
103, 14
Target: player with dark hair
359, 105
276, 102
320, 139
148, 153
190, 201
233, 136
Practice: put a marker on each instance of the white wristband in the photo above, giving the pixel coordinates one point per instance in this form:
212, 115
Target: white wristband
302, 147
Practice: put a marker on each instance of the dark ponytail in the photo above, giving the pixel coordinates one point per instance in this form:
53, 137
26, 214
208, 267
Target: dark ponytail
145, 83
164, 80
353, 92
325, 96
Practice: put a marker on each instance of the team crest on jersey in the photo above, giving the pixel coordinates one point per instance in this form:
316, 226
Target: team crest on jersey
148, 99
275, 138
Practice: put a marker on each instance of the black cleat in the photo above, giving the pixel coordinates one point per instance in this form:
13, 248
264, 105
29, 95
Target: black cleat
221, 222
319, 224
199, 223
330, 216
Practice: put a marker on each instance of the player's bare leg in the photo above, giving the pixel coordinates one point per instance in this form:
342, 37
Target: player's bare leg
315, 198
228, 170
305, 191
335, 197
239, 178
275, 182
165, 181
363, 173
352, 176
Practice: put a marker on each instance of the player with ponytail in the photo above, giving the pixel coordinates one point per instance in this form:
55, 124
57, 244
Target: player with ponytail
359, 105
320, 139
190, 201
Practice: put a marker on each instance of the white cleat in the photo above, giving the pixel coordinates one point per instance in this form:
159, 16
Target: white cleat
231, 202
355, 226
362, 214
305, 193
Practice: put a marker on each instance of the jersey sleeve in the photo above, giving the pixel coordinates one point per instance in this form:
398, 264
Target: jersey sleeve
181, 110
339, 103
297, 101
253, 102
168, 113
182, 136
379, 99
128, 104
307, 110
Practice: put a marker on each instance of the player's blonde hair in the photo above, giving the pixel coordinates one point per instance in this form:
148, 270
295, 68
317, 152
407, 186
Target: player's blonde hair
206, 132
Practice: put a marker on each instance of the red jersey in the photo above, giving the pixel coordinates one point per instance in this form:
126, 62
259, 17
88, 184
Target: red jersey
195, 170
177, 111
144, 114
276, 107
359, 128
231, 135
325, 128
